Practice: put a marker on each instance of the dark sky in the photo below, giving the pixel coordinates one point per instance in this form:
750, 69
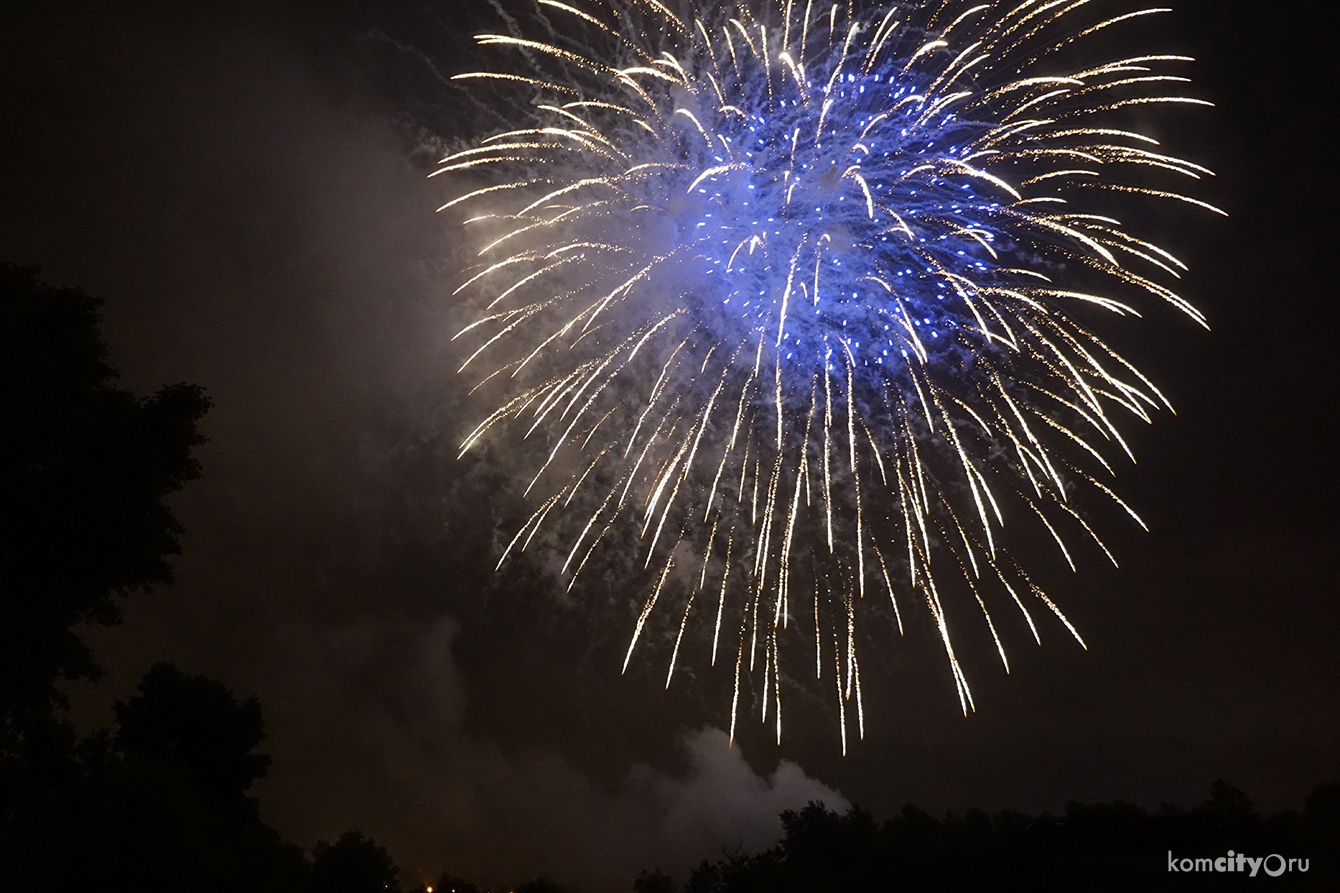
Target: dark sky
244, 185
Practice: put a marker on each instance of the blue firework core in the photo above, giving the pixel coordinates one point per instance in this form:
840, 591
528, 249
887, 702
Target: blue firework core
837, 218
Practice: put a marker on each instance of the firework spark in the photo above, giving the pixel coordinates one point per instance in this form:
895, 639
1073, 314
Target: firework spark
801, 296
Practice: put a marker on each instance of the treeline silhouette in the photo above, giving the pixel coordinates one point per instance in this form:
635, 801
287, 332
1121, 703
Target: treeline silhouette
1088, 847
161, 801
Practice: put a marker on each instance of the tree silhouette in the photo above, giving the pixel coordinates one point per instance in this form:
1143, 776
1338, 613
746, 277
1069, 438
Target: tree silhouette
353, 864
195, 724
157, 804
1093, 847
450, 883
84, 470
654, 881
821, 849
1322, 808
1229, 804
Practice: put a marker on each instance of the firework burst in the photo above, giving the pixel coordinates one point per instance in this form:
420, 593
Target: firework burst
802, 295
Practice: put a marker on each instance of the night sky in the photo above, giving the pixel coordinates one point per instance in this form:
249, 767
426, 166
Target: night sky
244, 184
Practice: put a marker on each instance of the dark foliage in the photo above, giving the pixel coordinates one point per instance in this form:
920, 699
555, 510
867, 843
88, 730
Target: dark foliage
353, 864
160, 802
194, 724
653, 882
542, 885
450, 883
84, 470
157, 804
1091, 847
